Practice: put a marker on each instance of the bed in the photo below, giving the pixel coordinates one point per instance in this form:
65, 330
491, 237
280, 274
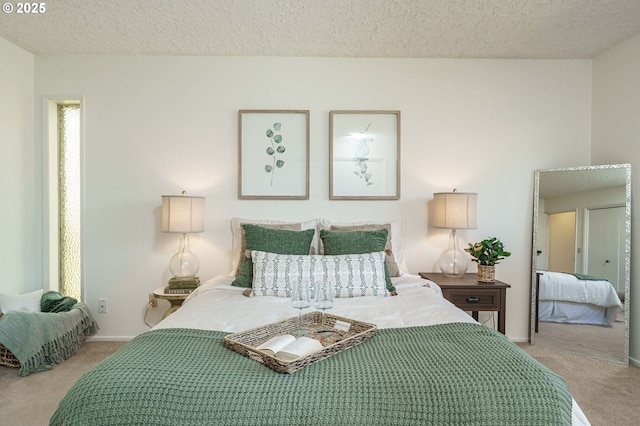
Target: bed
428, 362
577, 299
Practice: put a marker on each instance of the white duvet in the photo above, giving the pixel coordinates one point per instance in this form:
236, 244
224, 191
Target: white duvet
568, 288
216, 305
562, 287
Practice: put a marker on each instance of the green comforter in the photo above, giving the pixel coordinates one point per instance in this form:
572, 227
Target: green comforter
450, 374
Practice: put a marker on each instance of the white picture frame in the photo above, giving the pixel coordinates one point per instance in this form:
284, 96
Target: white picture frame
273, 149
364, 155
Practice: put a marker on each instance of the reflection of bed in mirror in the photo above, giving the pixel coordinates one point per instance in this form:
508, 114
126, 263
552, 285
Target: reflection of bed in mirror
581, 226
576, 299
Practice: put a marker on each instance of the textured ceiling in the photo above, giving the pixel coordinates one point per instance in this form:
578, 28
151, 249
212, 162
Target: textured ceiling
553, 29
560, 182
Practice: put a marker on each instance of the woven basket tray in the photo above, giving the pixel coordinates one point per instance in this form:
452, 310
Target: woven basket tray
245, 342
7, 359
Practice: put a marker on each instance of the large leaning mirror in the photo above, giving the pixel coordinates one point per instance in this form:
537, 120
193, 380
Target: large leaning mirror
581, 261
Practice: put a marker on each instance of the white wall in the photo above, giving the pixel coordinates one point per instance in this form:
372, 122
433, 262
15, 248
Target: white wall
615, 139
158, 125
576, 203
17, 247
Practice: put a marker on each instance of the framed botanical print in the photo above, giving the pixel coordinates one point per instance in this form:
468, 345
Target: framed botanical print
364, 155
273, 148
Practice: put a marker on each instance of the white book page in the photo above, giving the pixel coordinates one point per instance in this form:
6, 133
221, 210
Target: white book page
301, 347
277, 343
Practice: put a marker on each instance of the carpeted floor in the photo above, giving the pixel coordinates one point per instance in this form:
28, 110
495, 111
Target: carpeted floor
608, 394
31, 400
592, 340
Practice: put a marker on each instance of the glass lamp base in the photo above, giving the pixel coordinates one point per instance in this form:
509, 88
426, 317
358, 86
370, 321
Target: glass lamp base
453, 263
184, 264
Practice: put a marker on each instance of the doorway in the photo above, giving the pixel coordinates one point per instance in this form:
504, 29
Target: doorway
562, 242
605, 228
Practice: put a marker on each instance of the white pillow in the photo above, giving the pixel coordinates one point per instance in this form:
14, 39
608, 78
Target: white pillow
29, 302
237, 248
352, 275
397, 238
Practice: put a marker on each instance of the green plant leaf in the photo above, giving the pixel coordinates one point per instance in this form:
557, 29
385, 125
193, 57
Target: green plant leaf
269, 133
487, 252
268, 168
270, 151
277, 126
279, 163
280, 149
277, 138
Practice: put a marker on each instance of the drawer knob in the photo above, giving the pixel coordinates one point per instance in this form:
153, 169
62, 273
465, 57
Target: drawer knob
473, 299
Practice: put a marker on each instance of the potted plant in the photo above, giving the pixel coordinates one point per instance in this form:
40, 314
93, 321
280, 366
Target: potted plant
487, 253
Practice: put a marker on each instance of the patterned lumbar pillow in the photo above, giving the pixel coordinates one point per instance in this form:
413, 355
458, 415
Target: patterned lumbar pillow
356, 242
280, 241
352, 275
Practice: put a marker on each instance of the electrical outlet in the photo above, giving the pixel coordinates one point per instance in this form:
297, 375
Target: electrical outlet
153, 300
102, 306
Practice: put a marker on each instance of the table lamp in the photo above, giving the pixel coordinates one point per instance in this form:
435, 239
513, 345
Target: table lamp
183, 214
454, 210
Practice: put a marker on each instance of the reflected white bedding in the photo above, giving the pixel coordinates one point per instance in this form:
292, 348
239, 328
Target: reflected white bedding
565, 298
216, 305
574, 313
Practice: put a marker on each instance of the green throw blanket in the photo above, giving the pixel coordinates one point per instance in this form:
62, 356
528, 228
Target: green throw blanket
54, 301
450, 374
40, 340
589, 277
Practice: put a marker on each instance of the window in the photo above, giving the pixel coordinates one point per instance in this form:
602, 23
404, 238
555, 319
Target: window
69, 200
64, 198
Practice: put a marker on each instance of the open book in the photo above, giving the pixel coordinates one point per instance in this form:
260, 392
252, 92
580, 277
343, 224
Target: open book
289, 348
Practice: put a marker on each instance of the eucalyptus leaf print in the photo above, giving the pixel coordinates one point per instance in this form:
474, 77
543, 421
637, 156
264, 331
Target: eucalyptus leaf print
275, 148
361, 157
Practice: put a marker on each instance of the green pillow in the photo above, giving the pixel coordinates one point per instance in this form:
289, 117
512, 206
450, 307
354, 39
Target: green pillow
54, 301
357, 242
280, 241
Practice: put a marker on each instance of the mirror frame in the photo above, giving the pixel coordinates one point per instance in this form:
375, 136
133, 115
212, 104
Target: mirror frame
627, 253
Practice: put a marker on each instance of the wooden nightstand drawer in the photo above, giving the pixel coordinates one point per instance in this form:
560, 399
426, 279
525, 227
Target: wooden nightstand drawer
474, 300
470, 295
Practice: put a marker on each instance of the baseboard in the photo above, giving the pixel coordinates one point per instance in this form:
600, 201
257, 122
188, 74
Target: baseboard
634, 362
519, 339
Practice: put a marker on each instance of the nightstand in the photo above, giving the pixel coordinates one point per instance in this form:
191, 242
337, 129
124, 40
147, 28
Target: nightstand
174, 299
470, 295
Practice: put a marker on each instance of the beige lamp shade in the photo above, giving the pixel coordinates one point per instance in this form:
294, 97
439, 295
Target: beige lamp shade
182, 213
455, 210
